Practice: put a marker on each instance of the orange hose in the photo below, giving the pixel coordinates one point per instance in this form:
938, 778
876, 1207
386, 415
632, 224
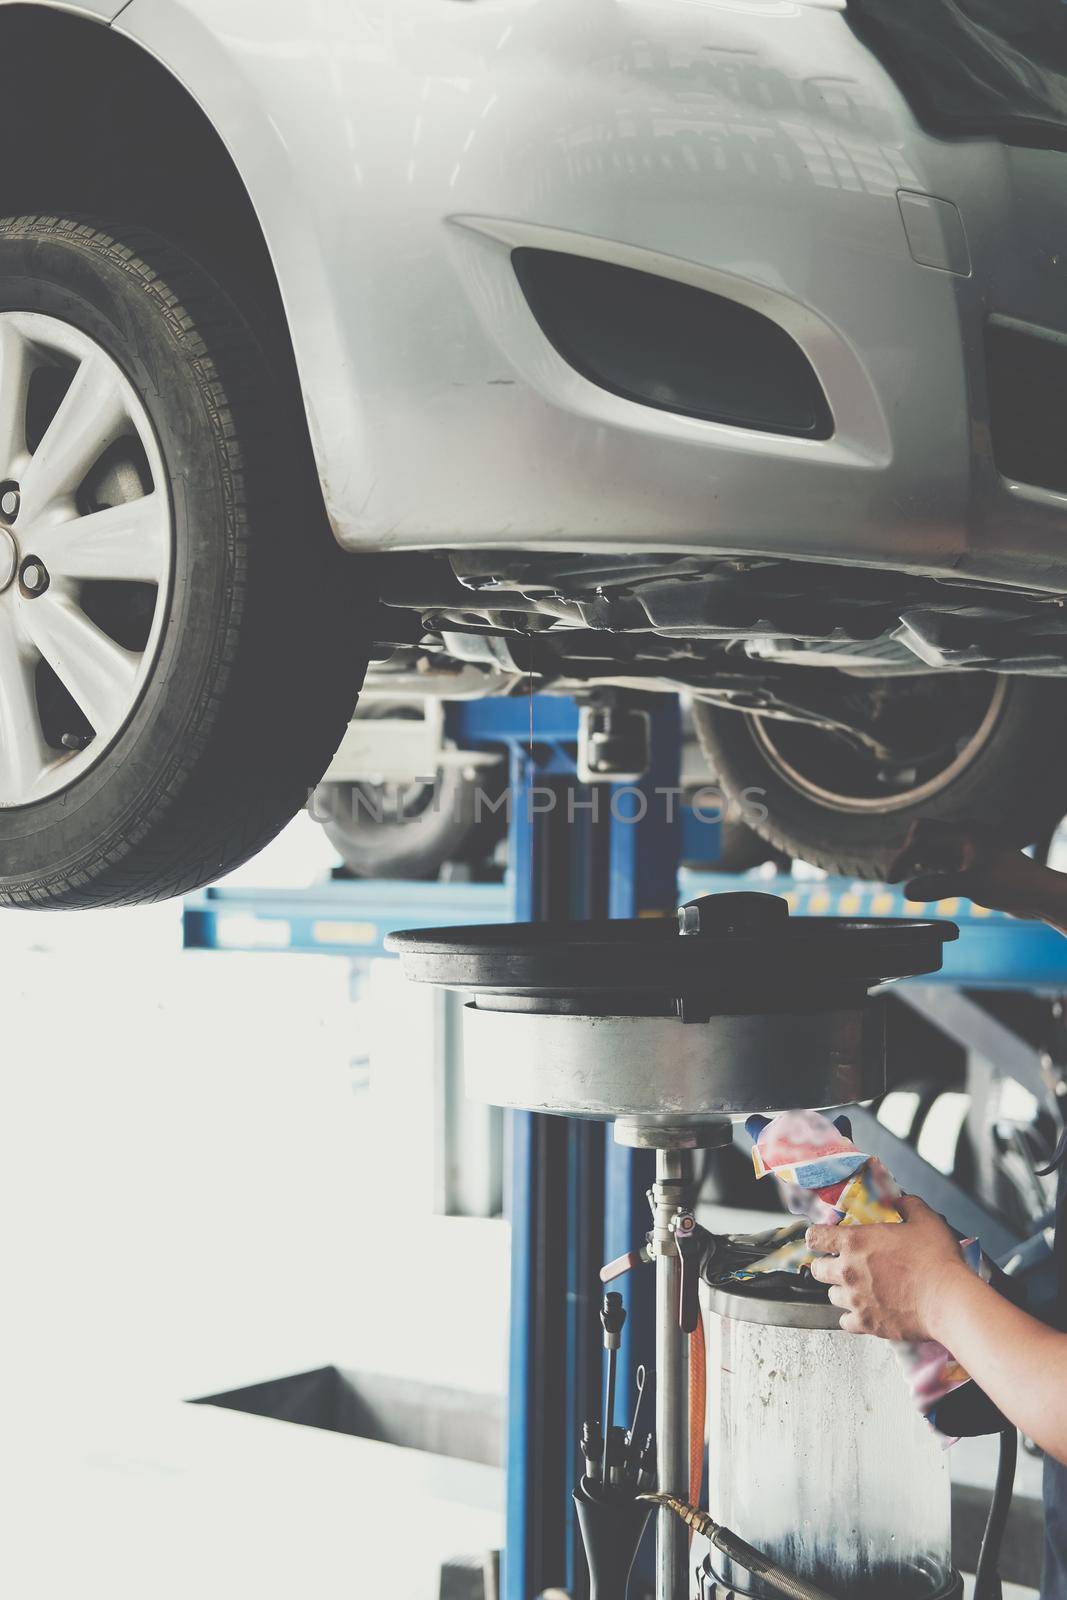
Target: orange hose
698, 1401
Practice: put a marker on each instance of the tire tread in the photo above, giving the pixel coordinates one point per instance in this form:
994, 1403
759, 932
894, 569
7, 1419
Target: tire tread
208, 811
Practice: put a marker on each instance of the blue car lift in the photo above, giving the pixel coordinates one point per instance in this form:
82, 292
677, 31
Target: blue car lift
576, 1199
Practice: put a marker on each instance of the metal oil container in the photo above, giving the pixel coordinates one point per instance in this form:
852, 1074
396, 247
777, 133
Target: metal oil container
818, 1457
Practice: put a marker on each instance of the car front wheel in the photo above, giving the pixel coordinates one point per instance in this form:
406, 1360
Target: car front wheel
179, 635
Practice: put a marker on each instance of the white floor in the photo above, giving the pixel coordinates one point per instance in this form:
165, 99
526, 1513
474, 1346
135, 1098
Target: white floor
180, 1501
192, 1188
199, 1193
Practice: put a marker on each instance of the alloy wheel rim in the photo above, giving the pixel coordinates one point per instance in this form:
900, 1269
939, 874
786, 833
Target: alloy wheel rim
955, 763
92, 530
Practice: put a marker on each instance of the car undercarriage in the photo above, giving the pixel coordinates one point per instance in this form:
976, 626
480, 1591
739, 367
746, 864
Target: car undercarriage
780, 638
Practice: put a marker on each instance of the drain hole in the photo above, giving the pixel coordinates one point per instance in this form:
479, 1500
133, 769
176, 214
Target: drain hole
44, 395
123, 611
62, 719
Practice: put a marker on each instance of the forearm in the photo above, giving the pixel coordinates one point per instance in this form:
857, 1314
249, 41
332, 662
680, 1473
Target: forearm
1041, 895
1020, 1363
1046, 900
1025, 889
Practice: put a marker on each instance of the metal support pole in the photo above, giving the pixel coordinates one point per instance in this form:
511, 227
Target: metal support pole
644, 837
674, 1176
541, 1431
609, 854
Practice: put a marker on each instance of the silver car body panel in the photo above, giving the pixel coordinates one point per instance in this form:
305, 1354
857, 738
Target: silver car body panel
397, 150
105, 12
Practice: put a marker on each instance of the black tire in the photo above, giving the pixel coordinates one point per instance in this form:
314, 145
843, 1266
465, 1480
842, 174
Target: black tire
262, 652
381, 833
1013, 780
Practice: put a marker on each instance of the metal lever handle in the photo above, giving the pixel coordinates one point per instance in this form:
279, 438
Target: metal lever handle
690, 1250
622, 1264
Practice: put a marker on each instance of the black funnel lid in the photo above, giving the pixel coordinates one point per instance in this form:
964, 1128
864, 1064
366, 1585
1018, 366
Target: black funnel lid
735, 951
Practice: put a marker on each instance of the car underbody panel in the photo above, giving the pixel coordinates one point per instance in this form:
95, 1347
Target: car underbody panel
727, 629
884, 662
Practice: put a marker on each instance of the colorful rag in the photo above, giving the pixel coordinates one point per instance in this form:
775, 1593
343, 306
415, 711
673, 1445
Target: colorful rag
824, 1178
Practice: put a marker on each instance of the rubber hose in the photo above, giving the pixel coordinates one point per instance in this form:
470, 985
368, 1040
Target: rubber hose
987, 1584
698, 1405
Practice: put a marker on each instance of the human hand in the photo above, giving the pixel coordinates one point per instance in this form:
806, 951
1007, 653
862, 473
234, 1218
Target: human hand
940, 858
888, 1278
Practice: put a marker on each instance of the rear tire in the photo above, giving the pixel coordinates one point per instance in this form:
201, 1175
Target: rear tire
261, 649
378, 835
1013, 780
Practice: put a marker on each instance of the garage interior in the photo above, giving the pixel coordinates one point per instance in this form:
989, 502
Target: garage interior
271, 1198
649, 416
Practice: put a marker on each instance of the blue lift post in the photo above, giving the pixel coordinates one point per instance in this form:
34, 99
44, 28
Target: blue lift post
575, 1198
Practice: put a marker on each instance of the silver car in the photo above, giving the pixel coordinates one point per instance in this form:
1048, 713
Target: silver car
715, 345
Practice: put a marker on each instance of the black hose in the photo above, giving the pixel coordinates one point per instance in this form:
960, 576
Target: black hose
987, 1585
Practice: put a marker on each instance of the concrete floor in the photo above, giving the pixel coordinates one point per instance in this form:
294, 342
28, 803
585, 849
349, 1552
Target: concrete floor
176, 1501
196, 1178
186, 1163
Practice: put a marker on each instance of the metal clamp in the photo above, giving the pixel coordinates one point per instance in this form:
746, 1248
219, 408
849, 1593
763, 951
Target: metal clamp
675, 1232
